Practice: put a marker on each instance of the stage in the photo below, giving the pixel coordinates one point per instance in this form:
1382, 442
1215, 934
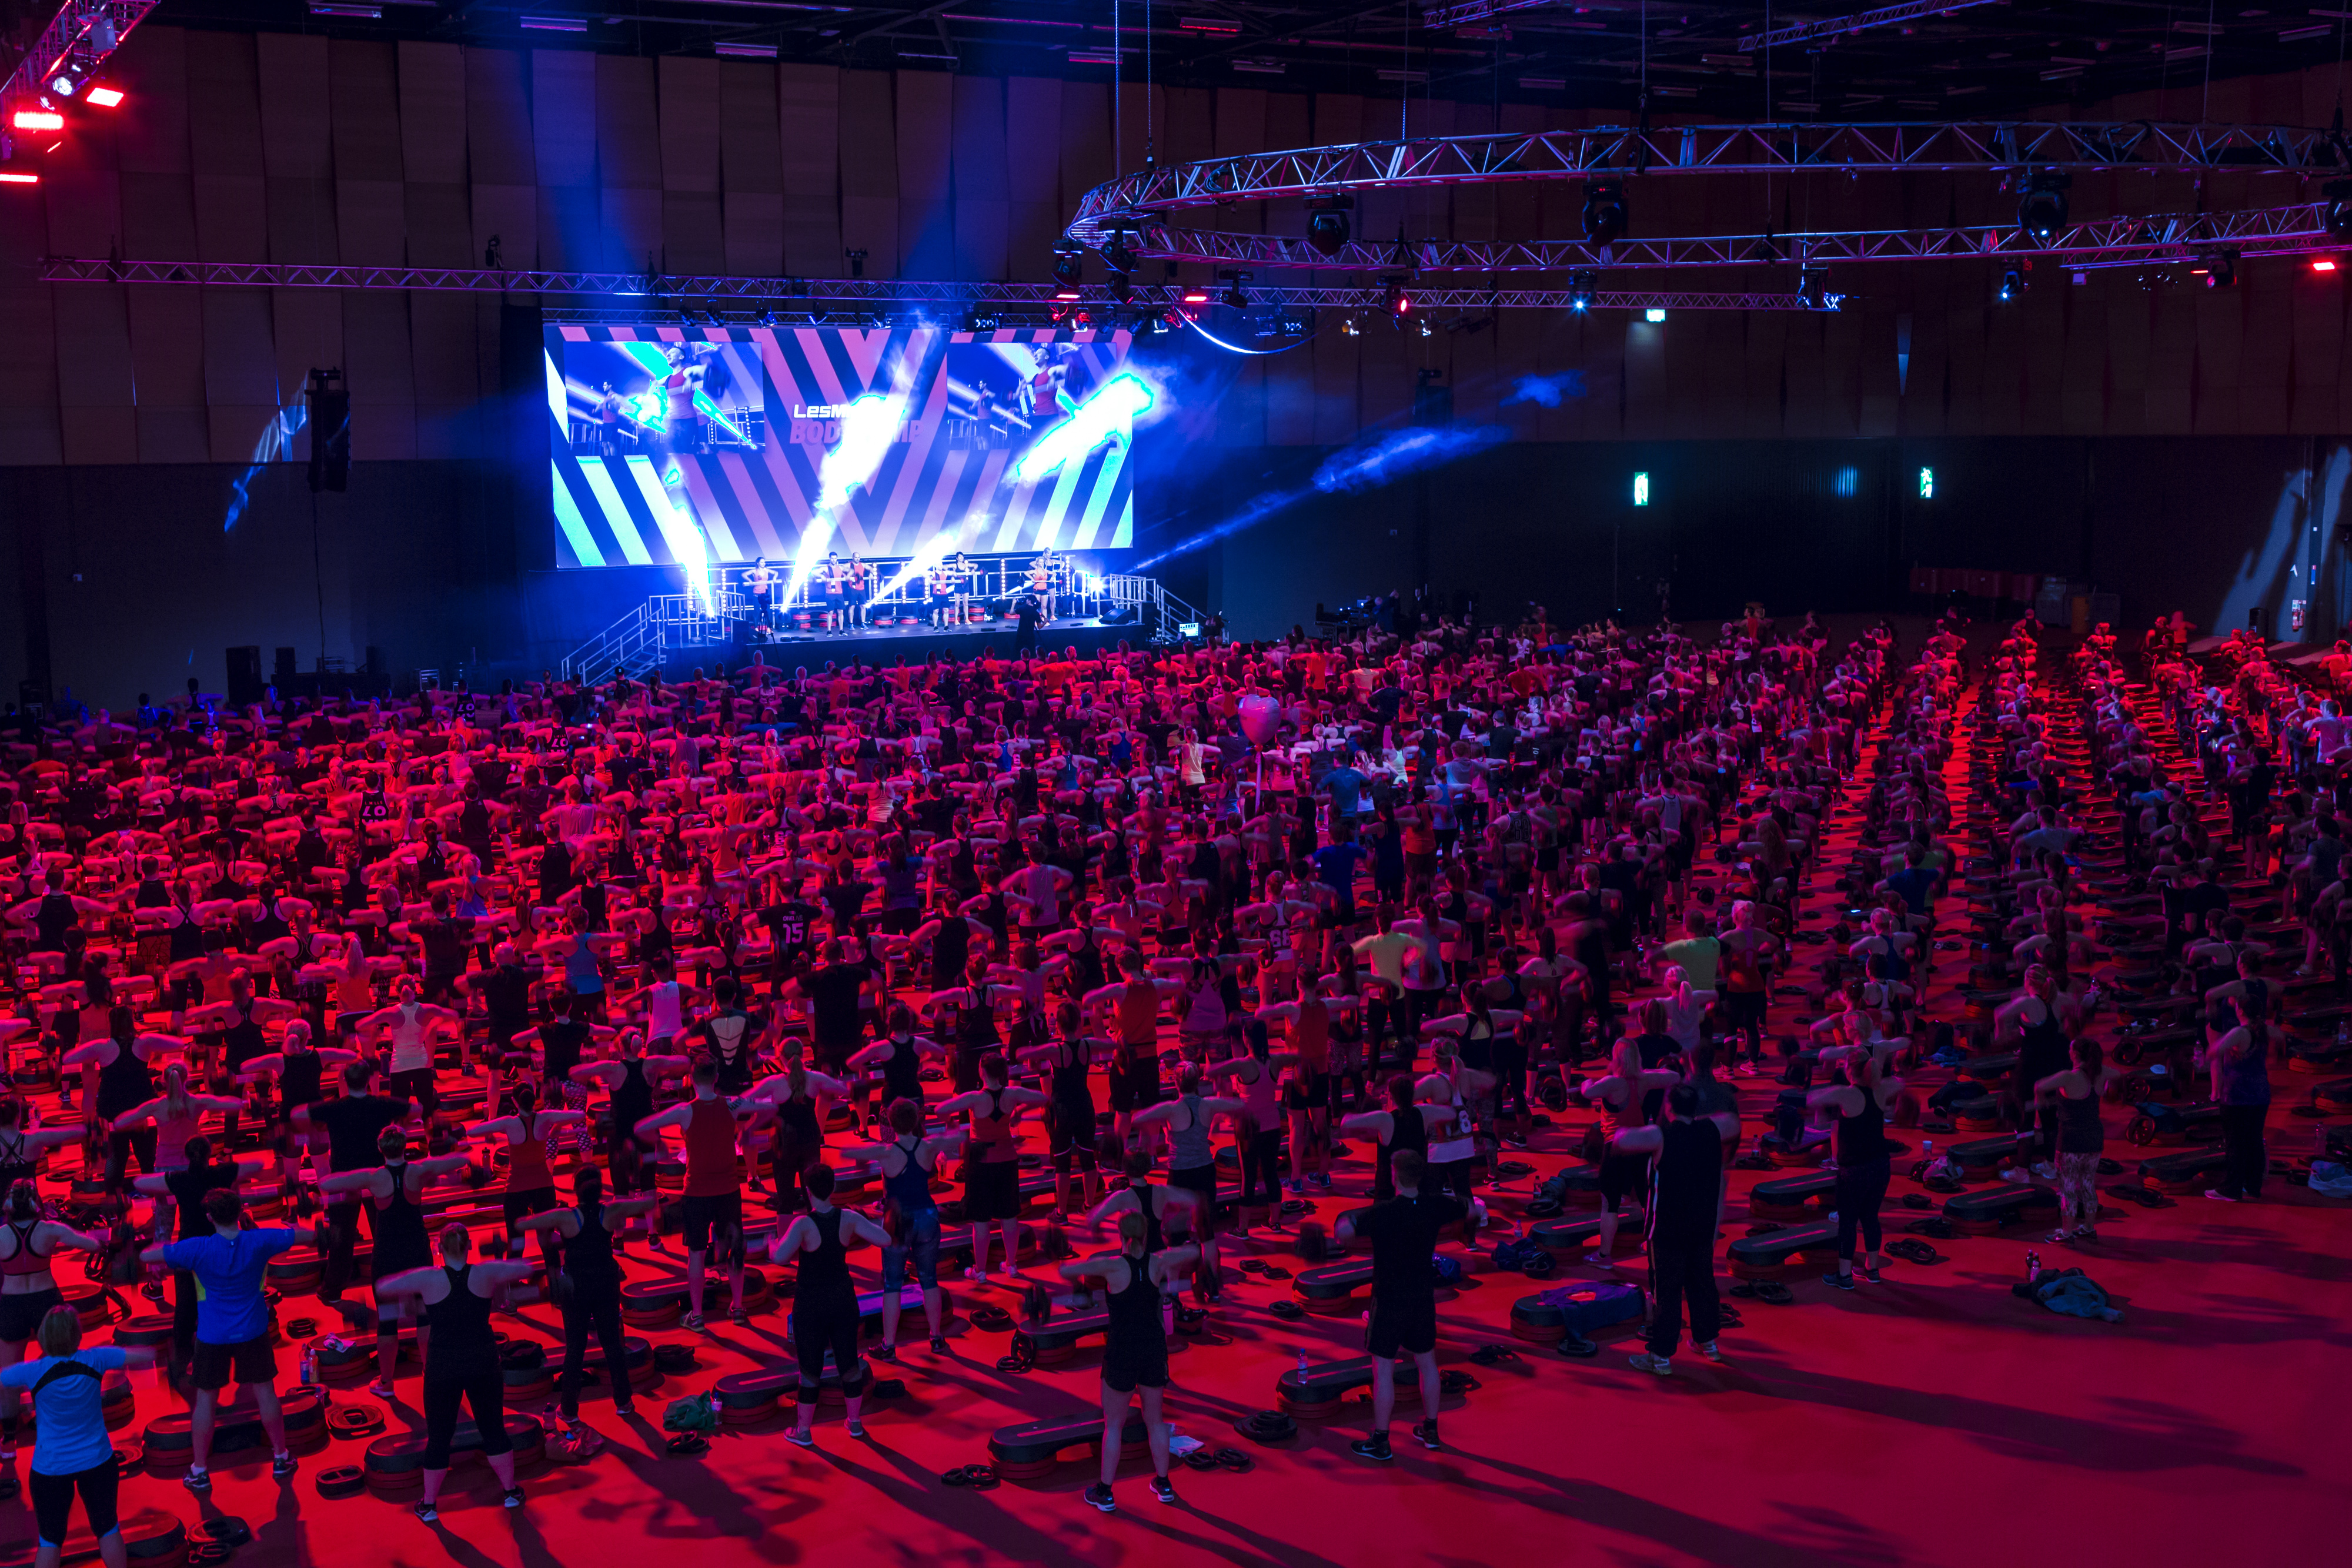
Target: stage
790, 651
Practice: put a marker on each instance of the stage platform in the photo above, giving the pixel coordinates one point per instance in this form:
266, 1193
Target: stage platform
887, 645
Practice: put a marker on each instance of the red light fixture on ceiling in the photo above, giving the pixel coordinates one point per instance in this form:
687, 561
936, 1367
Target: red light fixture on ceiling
101, 96
38, 120
2323, 264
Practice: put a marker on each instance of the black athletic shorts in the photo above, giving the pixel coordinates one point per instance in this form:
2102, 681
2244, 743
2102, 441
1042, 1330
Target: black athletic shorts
1620, 1175
251, 1362
1201, 1179
1408, 1326
1074, 1139
53, 1500
534, 1200
991, 1191
1126, 1368
20, 1316
699, 1216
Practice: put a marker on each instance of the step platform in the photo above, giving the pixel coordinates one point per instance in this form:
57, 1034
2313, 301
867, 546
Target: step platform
1033, 1449
1795, 1197
170, 1444
1576, 1236
1548, 1316
1984, 1212
2162, 1123
1317, 1392
1784, 1253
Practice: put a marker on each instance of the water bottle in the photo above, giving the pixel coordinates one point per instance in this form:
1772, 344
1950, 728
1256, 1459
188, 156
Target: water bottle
1302, 1369
2032, 1266
1927, 1150
310, 1366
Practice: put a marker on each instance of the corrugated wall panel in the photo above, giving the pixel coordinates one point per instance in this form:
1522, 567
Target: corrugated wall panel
433, 138
570, 218
297, 159
225, 148
982, 181
1037, 207
925, 105
628, 163
811, 114
501, 157
370, 193
380, 375
867, 187
693, 232
449, 390
750, 169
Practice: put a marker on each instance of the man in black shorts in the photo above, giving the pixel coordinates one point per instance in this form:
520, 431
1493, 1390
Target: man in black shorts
1403, 1231
1686, 1183
351, 1124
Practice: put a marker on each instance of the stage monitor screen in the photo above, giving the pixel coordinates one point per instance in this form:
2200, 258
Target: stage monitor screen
698, 446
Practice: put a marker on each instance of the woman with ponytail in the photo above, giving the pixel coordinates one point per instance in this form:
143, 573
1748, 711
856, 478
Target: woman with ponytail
27, 1289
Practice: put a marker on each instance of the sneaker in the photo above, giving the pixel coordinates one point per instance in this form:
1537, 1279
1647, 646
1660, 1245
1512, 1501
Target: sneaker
153, 1290
427, 1511
1596, 1261
380, 1388
2011, 1174
2218, 1196
1843, 1282
623, 1410
692, 1323
282, 1466
510, 1498
737, 1316
1099, 1495
1869, 1273
198, 1481
1427, 1432
855, 1429
800, 1439
2046, 1171
2087, 1233
1320, 1180
884, 1352
1642, 1361
2060, 1234
1745, 1069
1163, 1489
977, 1276
1711, 1351
1374, 1447
939, 1345
1296, 1186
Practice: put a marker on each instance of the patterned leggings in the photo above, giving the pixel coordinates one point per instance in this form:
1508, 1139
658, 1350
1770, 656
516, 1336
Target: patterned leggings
2078, 1189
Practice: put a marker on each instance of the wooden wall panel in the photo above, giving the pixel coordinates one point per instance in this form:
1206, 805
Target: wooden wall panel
1336, 357
306, 332
868, 180
159, 208
1085, 140
1768, 375
380, 375
810, 111
1383, 382
501, 163
371, 197
2266, 364
1473, 374
167, 351
693, 229
2220, 326
750, 169
297, 154
1876, 413
225, 148
981, 179
570, 216
241, 392
96, 382
2318, 310
30, 430
2127, 320
432, 136
449, 388
1037, 205
924, 104
2041, 350
1239, 126
628, 163
2169, 400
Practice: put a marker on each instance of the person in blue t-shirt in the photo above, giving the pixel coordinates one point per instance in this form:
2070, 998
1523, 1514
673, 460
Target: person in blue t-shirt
71, 1451
232, 1325
1346, 788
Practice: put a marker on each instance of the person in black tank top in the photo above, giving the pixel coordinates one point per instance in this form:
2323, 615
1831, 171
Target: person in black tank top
462, 1367
912, 1212
899, 1056
1407, 1129
1863, 1168
589, 1288
824, 1302
1135, 1347
1068, 1059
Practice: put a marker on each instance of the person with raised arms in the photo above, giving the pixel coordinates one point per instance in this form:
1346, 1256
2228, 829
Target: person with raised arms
395, 1193
1135, 1347
589, 1288
712, 1204
825, 1301
463, 1370
992, 1181
911, 1212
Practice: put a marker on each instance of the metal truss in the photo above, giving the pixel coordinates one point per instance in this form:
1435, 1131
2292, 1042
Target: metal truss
73, 37
636, 297
1468, 13
1831, 26
1988, 146
2283, 230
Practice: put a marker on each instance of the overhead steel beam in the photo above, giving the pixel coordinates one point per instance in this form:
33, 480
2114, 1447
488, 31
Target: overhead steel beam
1831, 26
635, 296
1987, 146
2156, 235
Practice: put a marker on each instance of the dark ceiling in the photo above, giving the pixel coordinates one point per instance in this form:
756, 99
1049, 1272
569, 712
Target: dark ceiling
1980, 59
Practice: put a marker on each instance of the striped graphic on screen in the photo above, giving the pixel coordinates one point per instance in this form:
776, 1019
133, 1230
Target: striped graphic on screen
744, 481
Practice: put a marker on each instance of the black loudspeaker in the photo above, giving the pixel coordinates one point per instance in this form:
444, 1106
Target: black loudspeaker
375, 665
1120, 616
283, 674
331, 435
243, 676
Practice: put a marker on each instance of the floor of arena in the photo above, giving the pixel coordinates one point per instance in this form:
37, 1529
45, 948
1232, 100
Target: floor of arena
1921, 1420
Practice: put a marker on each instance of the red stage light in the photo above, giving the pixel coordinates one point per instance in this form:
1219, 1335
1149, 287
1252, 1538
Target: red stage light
11, 177
39, 120
103, 97
2323, 265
